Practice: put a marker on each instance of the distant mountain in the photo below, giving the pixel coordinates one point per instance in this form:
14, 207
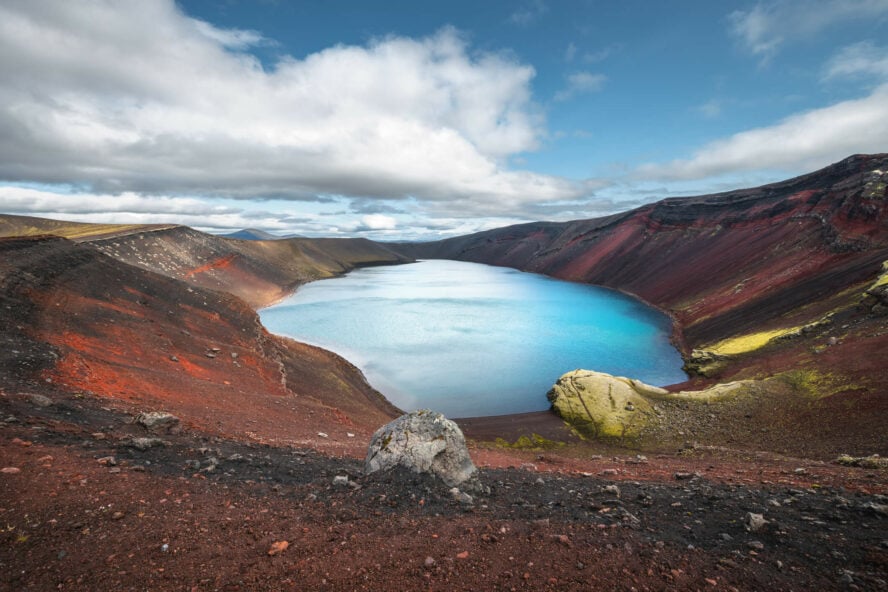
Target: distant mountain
252, 234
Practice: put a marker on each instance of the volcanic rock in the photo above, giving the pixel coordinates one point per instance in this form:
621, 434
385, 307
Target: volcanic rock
602, 405
425, 442
40, 400
158, 421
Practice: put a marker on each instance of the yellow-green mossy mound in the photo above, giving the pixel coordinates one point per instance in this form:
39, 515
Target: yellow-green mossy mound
601, 405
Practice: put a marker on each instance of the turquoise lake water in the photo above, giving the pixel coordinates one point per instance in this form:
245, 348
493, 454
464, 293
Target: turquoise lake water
473, 340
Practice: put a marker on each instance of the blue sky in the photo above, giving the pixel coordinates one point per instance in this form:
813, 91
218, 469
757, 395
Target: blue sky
417, 120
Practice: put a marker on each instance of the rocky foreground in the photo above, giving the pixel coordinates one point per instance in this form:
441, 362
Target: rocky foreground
92, 499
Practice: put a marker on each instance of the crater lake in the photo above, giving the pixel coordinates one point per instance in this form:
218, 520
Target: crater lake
472, 340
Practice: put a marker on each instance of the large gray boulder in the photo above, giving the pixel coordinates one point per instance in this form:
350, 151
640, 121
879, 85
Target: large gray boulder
425, 442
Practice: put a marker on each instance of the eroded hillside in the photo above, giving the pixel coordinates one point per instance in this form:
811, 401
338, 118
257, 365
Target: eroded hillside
782, 280
79, 321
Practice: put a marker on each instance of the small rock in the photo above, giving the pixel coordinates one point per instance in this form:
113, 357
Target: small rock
45, 459
563, 539
754, 522
612, 489
682, 476
117, 515
349, 434
277, 548
874, 508
20, 442
463, 555
726, 537
461, 496
340, 481
145, 443
430, 562
608, 472
10, 470
107, 460
174, 358
158, 421
322, 435
756, 545
165, 548
40, 400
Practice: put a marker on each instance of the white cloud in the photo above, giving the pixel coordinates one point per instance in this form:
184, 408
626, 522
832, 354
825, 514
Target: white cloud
711, 109
230, 38
93, 96
767, 26
379, 222
571, 52
529, 12
581, 83
861, 59
131, 208
804, 141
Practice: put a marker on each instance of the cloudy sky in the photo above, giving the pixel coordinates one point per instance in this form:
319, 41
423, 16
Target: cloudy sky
397, 119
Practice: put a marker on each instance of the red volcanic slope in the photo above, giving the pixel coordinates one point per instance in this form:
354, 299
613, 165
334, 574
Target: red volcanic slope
259, 272
722, 264
77, 320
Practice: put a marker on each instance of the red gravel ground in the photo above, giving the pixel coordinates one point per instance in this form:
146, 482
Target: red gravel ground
86, 511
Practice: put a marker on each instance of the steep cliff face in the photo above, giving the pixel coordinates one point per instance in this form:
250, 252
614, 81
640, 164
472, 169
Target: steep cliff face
77, 320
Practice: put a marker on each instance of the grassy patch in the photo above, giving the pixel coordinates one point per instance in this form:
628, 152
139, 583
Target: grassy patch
532, 442
747, 343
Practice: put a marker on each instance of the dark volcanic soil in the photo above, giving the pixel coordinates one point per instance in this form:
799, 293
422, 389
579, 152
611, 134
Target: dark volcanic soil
83, 509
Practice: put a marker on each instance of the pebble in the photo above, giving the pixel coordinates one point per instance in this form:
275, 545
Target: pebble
340, 480
461, 496
10, 470
322, 435
430, 562
463, 555
21, 442
754, 522
145, 443
756, 545
277, 548
40, 400
612, 489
